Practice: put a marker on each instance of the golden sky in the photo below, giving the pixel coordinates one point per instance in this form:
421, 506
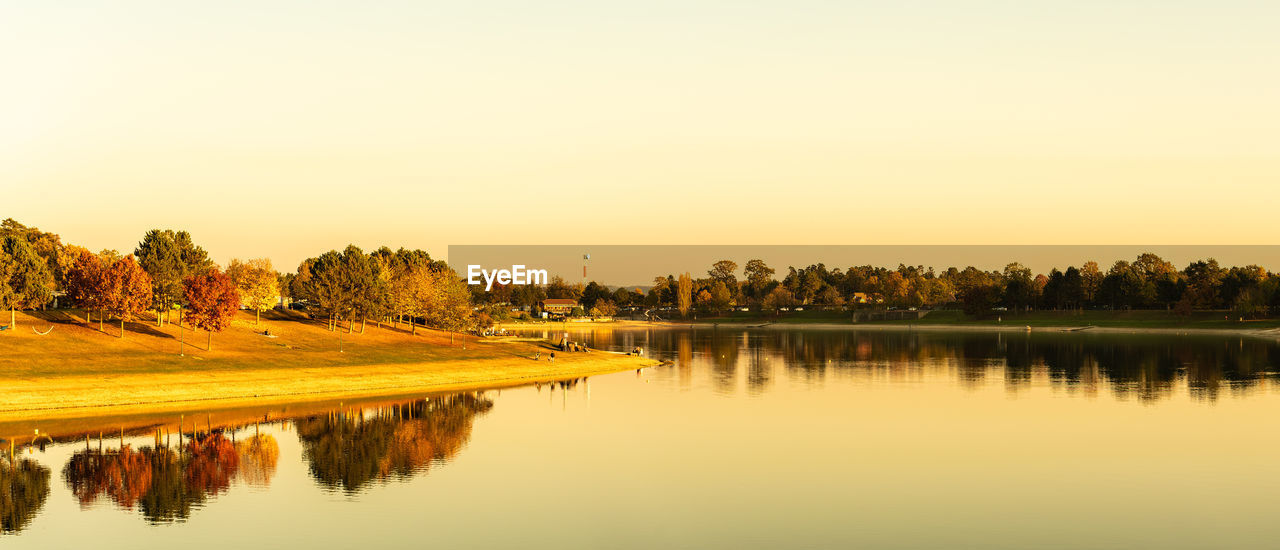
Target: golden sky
284, 129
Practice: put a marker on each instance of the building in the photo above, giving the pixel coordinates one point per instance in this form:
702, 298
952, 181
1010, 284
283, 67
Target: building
559, 306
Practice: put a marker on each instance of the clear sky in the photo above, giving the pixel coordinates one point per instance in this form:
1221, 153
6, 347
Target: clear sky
283, 129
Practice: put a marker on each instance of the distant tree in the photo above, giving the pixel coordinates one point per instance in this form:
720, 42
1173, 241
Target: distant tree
126, 290
703, 301
559, 288
1073, 288
604, 308
721, 296
1091, 280
724, 271
1019, 289
777, 299
684, 296
1203, 278
258, 284
169, 257
594, 292
758, 276
213, 301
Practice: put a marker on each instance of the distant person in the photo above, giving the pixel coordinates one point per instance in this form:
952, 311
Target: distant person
537, 355
553, 357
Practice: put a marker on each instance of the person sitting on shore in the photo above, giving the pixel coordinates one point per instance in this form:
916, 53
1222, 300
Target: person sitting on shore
537, 355
553, 357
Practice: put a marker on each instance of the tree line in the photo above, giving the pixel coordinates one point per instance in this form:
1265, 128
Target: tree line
1147, 282
169, 274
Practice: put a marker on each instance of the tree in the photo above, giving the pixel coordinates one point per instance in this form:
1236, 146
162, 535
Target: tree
723, 271
777, 299
86, 282
1073, 288
1091, 279
721, 297
758, 276
1019, 290
169, 257
684, 294
604, 308
29, 281
451, 309
48, 246
126, 290
213, 301
258, 284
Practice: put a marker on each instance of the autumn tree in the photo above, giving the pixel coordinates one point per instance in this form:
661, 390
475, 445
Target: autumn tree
684, 293
777, 299
451, 309
257, 282
126, 290
169, 257
86, 282
213, 300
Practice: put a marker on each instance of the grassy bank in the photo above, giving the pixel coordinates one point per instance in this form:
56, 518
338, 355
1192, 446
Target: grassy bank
76, 370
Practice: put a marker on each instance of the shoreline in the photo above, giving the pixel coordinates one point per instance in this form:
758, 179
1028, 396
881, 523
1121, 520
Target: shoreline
158, 393
73, 370
1266, 333
87, 397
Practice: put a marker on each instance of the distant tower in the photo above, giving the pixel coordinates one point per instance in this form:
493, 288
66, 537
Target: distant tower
585, 257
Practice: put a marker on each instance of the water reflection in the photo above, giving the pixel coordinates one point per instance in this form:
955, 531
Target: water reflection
165, 483
350, 449
1146, 368
24, 486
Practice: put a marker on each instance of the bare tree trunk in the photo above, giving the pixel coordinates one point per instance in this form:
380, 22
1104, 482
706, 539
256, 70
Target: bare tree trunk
362, 325
13, 319
122, 328
209, 340
413, 324
258, 317
101, 315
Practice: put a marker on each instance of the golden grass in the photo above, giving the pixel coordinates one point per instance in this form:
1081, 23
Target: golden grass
77, 371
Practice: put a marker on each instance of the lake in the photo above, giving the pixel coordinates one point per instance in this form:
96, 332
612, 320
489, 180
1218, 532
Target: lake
764, 438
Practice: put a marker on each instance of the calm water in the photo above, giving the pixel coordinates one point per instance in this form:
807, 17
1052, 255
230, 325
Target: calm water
755, 438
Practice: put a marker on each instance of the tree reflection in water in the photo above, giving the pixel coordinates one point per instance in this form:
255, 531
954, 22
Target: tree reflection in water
1143, 367
258, 456
349, 450
24, 486
165, 483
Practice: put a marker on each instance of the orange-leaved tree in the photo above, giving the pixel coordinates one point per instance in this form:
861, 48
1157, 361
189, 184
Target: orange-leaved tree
126, 290
213, 299
86, 281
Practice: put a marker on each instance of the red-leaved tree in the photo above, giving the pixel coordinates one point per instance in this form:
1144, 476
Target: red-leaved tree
126, 290
85, 282
213, 300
